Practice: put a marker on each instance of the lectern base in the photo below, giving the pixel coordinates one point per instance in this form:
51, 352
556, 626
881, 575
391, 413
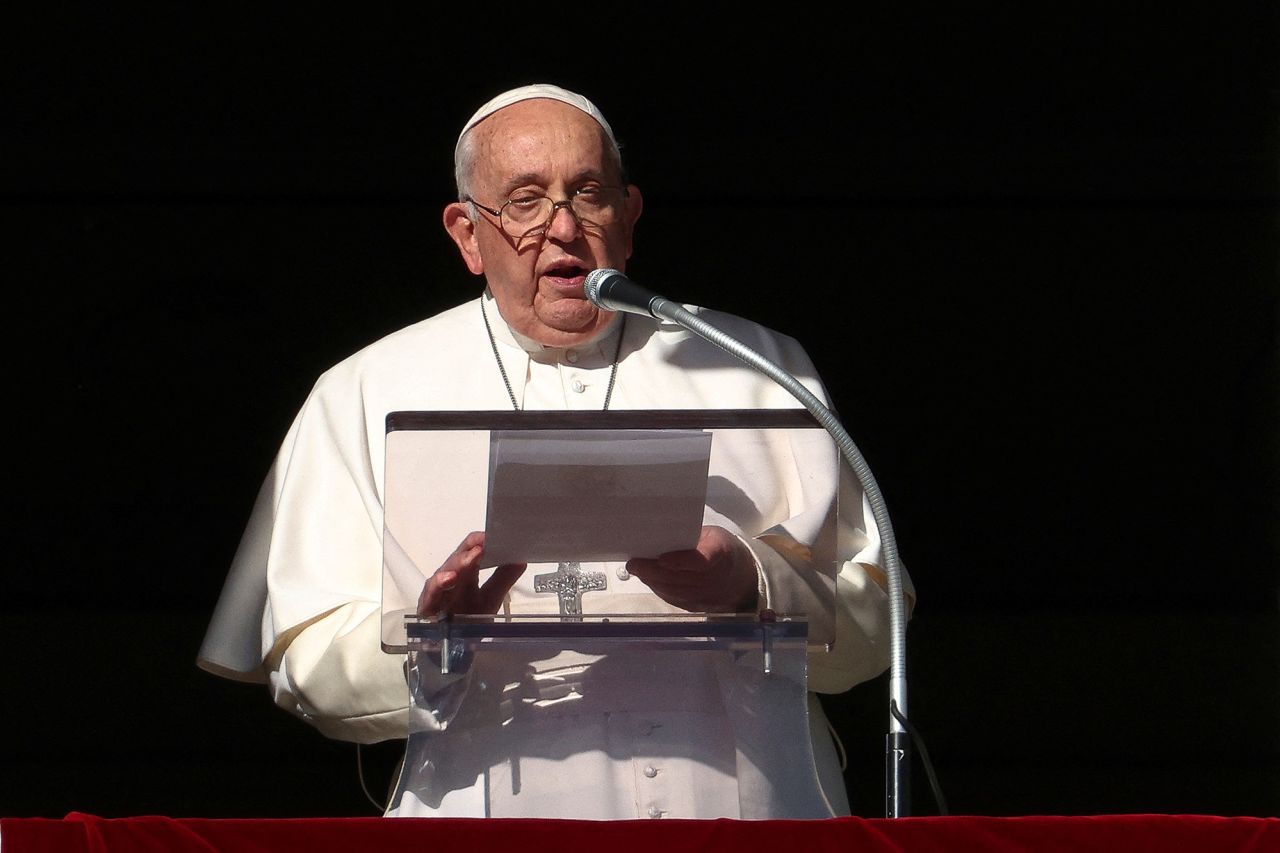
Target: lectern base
609, 718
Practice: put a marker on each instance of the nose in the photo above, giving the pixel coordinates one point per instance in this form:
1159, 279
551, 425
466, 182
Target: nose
563, 228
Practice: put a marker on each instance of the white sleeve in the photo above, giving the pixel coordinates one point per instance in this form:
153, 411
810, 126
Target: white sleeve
315, 544
860, 650
334, 674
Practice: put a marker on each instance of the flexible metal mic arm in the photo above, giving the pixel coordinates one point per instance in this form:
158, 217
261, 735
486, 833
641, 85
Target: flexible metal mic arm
897, 742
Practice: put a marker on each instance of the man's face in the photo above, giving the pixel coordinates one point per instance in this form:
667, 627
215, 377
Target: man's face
548, 148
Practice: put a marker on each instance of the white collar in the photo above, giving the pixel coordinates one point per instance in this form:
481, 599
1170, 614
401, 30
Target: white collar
600, 341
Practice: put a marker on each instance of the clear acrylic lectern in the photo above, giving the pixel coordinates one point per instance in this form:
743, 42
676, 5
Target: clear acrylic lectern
523, 712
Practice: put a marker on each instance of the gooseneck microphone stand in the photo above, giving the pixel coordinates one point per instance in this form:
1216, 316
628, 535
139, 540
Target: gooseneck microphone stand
611, 290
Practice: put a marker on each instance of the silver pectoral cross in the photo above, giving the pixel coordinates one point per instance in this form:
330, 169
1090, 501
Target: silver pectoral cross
569, 582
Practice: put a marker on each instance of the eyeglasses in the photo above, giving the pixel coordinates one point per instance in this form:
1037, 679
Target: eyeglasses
530, 215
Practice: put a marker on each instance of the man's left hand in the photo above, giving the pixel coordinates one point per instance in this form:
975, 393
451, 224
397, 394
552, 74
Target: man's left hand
716, 576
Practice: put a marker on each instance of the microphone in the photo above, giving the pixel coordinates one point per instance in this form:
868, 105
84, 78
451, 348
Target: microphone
613, 291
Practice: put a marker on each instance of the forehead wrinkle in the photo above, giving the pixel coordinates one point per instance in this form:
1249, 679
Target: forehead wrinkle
532, 136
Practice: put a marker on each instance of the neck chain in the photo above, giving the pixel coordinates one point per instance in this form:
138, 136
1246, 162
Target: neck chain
493, 342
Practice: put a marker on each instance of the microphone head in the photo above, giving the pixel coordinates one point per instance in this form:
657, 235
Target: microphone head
595, 281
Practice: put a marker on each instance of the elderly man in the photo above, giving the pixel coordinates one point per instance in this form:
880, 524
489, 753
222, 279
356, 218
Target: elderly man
542, 201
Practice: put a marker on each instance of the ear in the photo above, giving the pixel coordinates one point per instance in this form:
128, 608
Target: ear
634, 206
457, 221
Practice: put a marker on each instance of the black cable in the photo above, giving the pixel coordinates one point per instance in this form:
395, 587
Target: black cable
924, 756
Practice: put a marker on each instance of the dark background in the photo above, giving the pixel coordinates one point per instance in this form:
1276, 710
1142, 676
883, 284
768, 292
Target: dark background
1034, 255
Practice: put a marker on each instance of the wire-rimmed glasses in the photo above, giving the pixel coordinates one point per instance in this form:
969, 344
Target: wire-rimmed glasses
529, 214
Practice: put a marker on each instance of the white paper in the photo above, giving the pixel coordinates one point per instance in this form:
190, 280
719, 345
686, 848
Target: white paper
594, 495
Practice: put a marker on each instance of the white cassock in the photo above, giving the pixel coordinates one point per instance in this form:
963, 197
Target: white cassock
301, 608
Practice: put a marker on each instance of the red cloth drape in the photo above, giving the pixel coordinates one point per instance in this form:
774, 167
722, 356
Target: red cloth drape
1130, 833
79, 833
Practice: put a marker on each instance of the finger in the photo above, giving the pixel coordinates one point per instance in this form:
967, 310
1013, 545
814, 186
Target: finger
657, 573
470, 542
435, 591
460, 567
683, 561
495, 589
683, 581
467, 553
640, 565
678, 598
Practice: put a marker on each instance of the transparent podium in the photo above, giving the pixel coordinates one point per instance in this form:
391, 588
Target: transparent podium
588, 695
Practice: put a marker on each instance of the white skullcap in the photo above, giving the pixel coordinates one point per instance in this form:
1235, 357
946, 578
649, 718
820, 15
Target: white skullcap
528, 93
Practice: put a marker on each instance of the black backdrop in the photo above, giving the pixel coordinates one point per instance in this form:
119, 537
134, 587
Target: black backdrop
1033, 255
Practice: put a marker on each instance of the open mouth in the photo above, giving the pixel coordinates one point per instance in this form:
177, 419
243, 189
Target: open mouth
566, 273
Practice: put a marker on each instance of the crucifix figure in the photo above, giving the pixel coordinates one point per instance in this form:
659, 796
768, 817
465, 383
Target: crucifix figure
568, 582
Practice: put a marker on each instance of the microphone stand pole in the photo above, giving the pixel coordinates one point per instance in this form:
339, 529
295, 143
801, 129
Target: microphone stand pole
897, 741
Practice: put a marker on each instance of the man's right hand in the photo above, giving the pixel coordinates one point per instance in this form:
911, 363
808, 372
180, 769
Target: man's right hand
456, 588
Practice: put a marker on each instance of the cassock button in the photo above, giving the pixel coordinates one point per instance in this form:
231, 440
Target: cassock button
577, 386
654, 811
571, 356
651, 772
623, 574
